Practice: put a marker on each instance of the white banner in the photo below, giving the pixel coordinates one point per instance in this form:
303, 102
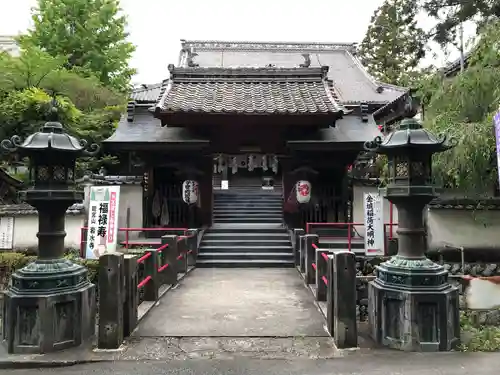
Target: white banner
103, 221
374, 224
6, 233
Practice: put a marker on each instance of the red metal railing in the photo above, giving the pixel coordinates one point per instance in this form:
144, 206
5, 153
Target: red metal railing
142, 259
388, 231
315, 266
126, 243
163, 267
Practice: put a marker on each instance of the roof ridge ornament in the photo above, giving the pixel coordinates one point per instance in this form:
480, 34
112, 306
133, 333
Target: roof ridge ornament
307, 60
190, 56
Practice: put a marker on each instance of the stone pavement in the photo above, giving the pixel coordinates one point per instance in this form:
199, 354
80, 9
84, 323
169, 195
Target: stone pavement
228, 302
370, 364
218, 314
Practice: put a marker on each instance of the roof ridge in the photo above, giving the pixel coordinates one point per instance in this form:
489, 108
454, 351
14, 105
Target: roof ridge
252, 45
248, 72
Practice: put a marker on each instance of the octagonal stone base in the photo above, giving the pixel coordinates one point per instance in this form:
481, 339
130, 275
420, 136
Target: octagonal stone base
48, 320
412, 307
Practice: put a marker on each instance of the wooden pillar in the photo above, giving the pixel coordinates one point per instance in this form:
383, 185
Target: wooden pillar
287, 182
206, 191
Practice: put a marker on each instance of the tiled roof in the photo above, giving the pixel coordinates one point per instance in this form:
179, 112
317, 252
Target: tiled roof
453, 68
146, 93
249, 91
145, 129
349, 129
26, 209
350, 78
111, 180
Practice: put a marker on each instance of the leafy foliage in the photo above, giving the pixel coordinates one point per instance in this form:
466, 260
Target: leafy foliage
463, 107
451, 13
87, 109
479, 338
89, 35
394, 44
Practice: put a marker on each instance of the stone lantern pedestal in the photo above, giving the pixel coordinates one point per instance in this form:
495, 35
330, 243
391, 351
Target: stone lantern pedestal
49, 304
411, 305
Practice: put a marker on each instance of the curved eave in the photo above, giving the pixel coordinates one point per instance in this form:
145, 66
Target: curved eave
183, 118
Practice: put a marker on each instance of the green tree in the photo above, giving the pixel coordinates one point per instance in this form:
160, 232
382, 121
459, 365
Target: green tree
87, 109
394, 44
451, 13
463, 107
35, 68
90, 34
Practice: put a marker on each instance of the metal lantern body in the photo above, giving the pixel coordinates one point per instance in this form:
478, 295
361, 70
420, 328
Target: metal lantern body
50, 304
190, 191
303, 191
411, 304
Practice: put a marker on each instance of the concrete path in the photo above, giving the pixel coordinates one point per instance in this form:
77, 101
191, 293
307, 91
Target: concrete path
236, 303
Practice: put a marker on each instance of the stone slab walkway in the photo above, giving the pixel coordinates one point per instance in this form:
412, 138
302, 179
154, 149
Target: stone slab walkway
235, 303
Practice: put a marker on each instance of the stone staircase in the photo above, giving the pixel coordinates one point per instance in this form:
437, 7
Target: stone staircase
248, 231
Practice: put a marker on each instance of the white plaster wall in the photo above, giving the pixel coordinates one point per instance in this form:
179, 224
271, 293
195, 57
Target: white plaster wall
26, 228
470, 229
358, 212
130, 198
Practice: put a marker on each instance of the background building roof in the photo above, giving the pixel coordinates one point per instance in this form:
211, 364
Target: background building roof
349, 77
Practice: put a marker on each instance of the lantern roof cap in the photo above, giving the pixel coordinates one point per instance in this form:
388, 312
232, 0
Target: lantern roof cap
410, 138
52, 136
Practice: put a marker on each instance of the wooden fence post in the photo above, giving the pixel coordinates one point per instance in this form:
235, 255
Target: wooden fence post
131, 295
169, 274
321, 273
192, 245
310, 257
111, 298
297, 233
341, 299
151, 269
302, 264
182, 263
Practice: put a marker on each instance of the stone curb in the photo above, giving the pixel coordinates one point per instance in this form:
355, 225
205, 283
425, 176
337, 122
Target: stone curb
35, 364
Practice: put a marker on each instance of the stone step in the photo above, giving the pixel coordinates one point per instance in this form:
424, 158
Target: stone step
244, 256
245, 237
249, 220
247, 228
244, 241
244, 202
254, 190
248, 211
238, 214
250, 206
233, 249
245, 263
249, 196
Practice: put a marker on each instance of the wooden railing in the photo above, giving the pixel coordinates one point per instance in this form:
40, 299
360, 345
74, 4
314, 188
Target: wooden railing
119, 286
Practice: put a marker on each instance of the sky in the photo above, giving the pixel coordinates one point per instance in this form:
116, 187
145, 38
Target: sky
156, 26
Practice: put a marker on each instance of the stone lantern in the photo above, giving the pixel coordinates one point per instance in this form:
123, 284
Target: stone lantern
411, 304
49, 304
